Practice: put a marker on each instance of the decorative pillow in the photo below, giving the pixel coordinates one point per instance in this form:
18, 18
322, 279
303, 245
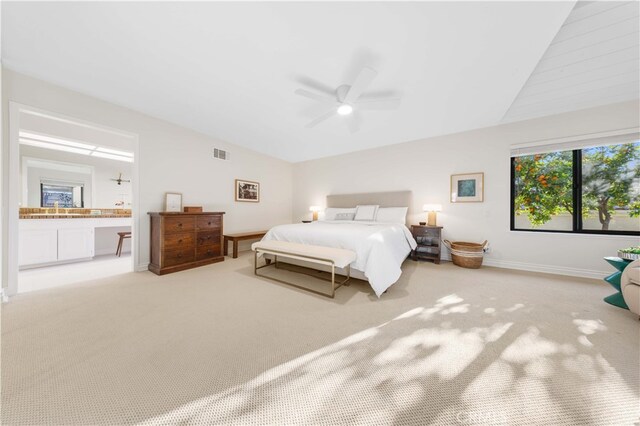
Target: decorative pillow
367, 213
345, 216
392, 215
331, 212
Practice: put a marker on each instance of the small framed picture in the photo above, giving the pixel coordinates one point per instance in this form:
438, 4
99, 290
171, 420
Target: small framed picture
247, 191
467, 188
172, 202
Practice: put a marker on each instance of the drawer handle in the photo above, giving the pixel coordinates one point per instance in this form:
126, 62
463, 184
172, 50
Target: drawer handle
180, 225
179, 255
180, 241
209, 223
209, 252
209, 237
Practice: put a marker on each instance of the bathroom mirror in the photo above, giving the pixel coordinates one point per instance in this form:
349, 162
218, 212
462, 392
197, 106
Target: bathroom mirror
45, 182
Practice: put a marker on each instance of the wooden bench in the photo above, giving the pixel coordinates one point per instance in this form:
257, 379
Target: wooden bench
235, 238
333, 257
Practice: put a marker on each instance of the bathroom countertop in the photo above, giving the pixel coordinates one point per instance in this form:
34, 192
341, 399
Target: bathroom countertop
72, 213
72, 216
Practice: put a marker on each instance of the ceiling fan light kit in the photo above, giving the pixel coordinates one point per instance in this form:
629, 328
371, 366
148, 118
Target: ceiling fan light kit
347, 101
345, 109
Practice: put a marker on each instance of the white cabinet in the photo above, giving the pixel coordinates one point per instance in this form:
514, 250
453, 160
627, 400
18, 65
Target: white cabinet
37, 246
75, 243
47, 241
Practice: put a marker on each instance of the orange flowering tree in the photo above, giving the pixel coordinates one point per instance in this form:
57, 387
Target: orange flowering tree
543, 185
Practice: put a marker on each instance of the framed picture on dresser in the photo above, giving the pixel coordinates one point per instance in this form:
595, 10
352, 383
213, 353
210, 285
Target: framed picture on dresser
172, 202
247, 191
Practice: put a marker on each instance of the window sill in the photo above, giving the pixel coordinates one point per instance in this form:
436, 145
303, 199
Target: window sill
577, 234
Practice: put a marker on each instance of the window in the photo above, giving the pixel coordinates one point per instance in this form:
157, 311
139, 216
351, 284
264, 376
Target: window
593, 189
67, 196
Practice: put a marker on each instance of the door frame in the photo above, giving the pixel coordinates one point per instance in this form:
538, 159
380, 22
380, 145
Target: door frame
14, 184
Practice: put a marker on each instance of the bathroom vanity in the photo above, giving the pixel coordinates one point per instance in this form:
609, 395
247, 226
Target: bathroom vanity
49, 238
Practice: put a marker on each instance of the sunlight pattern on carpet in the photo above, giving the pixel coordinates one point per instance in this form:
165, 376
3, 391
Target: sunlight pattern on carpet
424, 367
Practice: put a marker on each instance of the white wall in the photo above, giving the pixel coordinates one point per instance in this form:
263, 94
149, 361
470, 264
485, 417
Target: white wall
172, 159
425, 167
105, 191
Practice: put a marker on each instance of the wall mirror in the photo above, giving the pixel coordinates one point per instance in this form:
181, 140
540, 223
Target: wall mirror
45, 182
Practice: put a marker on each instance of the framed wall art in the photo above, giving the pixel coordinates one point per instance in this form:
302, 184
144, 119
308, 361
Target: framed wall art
247, 191
467, 188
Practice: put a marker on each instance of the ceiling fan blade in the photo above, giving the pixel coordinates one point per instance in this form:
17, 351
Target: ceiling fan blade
353, 124
320, 119
315, 96
378, 104
361, 83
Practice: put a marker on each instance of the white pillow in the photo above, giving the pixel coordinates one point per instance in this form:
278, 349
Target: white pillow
331, 212
345, 216
392, 215
366, 213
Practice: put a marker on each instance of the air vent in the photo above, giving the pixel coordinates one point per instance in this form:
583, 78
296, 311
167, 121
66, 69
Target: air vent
221, 154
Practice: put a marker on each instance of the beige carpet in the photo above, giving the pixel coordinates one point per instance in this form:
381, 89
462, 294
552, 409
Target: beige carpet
216, 345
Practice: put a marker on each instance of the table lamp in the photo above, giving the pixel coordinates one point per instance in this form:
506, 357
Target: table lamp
432, 210
315, 210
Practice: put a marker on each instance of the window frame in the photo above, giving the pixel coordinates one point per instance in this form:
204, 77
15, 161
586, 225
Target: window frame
72, 207
577, 225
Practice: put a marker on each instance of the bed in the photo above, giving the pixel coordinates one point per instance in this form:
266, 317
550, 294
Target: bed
380, 248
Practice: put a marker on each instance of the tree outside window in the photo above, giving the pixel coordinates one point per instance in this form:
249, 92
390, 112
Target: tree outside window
608, 191
611, 183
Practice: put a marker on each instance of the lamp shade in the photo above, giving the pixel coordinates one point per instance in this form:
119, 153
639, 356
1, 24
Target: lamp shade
315, 208
432, 208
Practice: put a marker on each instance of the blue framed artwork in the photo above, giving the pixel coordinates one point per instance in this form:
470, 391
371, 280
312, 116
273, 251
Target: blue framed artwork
467, 188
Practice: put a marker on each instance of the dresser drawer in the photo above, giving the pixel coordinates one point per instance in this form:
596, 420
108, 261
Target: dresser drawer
179, 240
208, 252
179, 224
428, 240
204, 223
426, 232
208, 238
178, 257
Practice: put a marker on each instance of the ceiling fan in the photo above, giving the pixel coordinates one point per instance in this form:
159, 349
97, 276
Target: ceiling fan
120, 180
347, 101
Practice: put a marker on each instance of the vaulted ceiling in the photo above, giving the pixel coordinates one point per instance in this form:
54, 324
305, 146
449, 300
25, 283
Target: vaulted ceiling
230, 69
593, 60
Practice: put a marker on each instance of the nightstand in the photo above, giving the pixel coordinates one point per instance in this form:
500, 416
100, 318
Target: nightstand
429, 239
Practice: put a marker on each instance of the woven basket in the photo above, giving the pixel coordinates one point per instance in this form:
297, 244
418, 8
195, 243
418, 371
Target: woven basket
467, 255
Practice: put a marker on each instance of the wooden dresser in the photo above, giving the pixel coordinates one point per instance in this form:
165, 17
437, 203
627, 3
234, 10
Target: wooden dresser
182, 241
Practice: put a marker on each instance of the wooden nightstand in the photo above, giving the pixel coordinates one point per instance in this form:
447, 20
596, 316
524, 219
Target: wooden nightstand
429, 239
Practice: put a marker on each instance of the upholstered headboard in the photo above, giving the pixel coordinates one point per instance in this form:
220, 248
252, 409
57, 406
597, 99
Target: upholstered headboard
383, 199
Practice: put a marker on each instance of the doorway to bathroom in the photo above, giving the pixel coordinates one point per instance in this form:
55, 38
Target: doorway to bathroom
73, 200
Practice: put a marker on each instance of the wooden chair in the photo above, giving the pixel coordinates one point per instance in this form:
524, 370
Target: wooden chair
122, 236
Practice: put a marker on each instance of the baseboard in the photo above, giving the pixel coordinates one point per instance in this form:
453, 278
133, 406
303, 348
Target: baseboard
142, 267
547, 269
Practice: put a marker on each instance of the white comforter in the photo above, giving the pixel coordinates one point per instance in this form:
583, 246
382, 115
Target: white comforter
380, 247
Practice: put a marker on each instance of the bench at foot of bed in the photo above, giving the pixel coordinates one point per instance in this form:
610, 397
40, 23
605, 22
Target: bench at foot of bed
333, 257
